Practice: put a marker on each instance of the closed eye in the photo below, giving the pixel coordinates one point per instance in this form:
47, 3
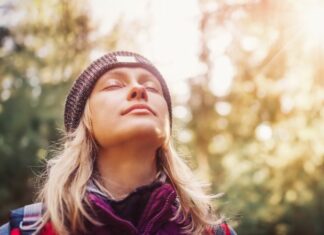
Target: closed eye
152, 89
115, 86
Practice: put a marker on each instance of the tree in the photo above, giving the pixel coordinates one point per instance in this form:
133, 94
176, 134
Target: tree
260, 132
39, 57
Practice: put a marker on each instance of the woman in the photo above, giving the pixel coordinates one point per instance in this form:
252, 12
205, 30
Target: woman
117, 172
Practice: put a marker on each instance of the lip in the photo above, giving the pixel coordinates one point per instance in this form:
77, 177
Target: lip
138, 107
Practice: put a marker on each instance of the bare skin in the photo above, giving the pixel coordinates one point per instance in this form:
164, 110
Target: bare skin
128, 141
126, 167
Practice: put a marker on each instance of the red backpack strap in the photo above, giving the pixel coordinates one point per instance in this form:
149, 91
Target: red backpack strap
221, 229
225, 228
15, 231
48, 229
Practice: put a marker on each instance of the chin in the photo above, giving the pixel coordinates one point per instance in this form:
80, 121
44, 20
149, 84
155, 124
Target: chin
149, 130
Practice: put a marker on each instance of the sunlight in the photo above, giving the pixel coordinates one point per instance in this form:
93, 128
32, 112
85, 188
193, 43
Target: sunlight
263, 132
172, 44
311, 19
223, 73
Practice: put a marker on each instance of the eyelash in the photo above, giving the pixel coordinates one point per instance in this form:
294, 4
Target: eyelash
113, 86
120, 85
152, 89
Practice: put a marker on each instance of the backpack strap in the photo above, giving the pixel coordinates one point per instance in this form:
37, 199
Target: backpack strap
32, 217
220, 229
5, 229
225, 228
26, 219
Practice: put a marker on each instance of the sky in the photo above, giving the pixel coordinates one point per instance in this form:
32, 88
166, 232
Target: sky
171, 41
170, 38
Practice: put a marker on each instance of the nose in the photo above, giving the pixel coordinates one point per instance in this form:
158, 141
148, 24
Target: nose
137, 92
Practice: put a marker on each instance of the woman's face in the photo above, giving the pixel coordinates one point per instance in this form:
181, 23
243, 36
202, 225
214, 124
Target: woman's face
113, 115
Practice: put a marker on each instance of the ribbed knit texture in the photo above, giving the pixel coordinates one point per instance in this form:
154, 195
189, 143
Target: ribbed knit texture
83, 85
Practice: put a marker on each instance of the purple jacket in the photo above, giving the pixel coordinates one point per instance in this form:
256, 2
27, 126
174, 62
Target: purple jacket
161, 206
155, 218
145, 211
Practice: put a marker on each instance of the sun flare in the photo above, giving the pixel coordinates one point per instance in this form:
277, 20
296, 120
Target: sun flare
311, 22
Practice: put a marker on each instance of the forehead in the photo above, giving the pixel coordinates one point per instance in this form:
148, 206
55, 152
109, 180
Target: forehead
125, 72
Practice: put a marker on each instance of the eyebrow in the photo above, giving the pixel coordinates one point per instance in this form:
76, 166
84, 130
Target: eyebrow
122, 75
115, 73
147, 76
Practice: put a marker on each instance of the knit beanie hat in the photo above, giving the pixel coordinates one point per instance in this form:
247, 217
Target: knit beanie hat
83, 85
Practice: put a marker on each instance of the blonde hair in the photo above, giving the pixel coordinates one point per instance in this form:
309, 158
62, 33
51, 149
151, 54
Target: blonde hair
64, 191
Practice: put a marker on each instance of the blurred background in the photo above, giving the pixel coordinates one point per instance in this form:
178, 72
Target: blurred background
247, 83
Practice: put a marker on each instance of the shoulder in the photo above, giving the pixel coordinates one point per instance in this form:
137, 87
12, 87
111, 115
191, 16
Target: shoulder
221, 229
5, 229
224, 229
25, 218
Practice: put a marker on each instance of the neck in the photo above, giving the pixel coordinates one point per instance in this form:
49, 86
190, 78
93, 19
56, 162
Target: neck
125, 167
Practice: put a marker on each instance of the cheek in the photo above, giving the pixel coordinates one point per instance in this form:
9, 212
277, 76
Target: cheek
103, 111
165, 121
163, 112
104, 114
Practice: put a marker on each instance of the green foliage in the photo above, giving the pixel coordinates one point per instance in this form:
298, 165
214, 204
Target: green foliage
39, 58
260, 141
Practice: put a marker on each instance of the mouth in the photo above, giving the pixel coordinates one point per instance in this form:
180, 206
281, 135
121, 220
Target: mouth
139, 108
